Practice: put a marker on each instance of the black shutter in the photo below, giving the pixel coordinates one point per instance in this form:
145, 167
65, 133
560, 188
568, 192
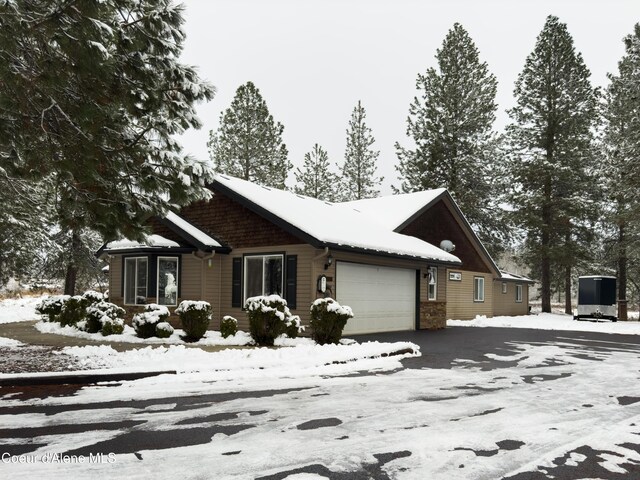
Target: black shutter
236, 283
292, 280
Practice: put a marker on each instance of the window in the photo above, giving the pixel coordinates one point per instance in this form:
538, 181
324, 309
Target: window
263, 275
135, 281
478, 289
504, 287
518, 293
167, 281
455, 276
433, 282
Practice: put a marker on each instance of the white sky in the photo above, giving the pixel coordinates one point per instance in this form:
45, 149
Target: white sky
314, 59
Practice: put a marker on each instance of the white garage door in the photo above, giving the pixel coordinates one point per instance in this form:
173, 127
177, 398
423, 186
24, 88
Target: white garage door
383, 299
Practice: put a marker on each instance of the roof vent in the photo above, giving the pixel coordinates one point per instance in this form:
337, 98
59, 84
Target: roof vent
447, 245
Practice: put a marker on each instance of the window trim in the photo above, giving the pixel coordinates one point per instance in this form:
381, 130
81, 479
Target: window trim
478, 298
177, 259
246, 256
435, 283
519, 290
124, 282
504, 287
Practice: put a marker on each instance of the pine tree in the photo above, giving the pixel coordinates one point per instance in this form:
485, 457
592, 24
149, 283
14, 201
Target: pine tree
92, 96
621, 153
450, 123
315, 180
248, 143
554, 193
358, 171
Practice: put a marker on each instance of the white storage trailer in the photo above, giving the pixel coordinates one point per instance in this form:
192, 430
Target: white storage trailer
597, 298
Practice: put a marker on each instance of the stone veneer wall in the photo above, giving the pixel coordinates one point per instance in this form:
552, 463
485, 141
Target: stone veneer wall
433, 315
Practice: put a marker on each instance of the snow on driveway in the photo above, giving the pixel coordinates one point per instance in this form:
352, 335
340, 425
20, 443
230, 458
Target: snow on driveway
546, 406
549, 321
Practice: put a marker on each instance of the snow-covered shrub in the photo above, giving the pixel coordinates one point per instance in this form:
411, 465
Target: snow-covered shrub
92, 297
269, 317
145, 322
164, 330
194, 317
328, 319
112, 326
50, 307
228, 326
73, 311
101, 312
12, 287
294, 327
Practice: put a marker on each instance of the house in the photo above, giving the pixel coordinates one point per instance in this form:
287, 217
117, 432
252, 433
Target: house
378, 256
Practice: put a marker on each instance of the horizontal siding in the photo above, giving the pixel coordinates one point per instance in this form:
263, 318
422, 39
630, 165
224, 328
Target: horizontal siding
505, 303
460, 304
304, 291
115, 279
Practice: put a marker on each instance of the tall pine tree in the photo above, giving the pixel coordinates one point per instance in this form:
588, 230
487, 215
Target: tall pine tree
248, 143
315, 180
92, 96
358, 179
621, 153
451, 125
551, 150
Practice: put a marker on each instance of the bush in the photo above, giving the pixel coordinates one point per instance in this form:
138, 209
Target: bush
328, 319
164, 330
228, 326
293, 327
145, 322
73, 311
112, 326
51, 307
101, 312
91, 297
269, 317
194, 317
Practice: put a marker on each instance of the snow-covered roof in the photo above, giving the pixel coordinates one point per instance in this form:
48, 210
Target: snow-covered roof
192, 231
393, 210
513, 277
332, 224
151, 241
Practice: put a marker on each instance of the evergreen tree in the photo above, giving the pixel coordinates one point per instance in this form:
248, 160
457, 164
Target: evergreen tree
315, 180
621, 153
92, 96
554, 193
358, 180
248, 143
450, 124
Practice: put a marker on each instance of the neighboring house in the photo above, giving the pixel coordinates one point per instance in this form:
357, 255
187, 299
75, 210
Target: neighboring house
378, 256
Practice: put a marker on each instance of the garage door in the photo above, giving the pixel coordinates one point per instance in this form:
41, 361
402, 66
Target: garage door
383, 299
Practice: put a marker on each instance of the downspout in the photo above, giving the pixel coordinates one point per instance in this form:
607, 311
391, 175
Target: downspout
324, 253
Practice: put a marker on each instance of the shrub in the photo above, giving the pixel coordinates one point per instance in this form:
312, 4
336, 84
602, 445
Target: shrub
228, 326
112, 326
101, 312
293, 327
145, 322
73, 311
164, 330
51, 307
194, 317
91, 297
269, 317
328, 319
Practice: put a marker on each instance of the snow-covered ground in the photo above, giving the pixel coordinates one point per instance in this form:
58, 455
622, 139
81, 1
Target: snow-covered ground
129, 336
541, 407
18, 309
549, 321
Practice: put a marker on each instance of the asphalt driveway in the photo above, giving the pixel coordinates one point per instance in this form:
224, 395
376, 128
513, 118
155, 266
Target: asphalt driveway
442, 348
